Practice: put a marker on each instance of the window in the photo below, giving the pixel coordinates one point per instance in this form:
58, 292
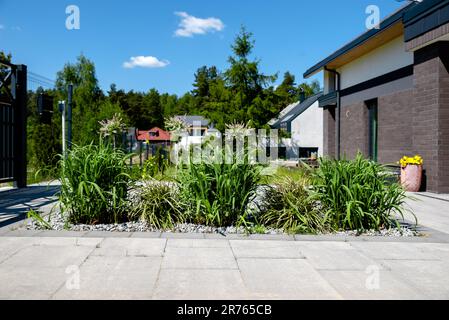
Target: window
372, 129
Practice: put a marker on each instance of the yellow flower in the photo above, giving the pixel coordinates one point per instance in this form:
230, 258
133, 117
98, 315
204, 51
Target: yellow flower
416, 160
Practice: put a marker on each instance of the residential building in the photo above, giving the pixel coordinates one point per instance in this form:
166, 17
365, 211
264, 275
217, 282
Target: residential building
303, 122
153, 136
386, 93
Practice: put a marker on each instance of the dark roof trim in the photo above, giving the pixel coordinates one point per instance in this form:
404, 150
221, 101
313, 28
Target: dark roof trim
385, 24
425, 17
424, 8
329, 99
297, 110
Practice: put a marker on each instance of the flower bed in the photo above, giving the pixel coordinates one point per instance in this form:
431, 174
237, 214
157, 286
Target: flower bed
350, 197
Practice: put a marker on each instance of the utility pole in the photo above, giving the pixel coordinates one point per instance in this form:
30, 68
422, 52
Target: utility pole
69, 116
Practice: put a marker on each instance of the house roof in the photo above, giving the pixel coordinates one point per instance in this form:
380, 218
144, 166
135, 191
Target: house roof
194, 120
283, 113
154, 135
389, 28
297, 110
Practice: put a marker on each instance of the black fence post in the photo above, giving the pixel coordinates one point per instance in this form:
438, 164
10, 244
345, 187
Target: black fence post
131, 150
69, 116
19, 85
140, 154
148, 152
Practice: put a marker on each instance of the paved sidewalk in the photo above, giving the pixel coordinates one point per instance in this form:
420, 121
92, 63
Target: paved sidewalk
144, 268
103, 265
15, 203
431, 210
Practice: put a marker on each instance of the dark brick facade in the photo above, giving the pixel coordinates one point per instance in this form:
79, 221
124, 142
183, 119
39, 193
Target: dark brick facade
354, 130
394, 130
431, 114
414, 121
329, 131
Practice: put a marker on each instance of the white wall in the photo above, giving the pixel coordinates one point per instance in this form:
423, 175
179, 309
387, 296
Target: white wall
307, 129
389, 57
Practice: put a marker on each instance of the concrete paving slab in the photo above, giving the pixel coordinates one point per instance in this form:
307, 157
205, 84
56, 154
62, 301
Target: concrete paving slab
277, 237
302, 237
334, 256
198, 258
9, 246
440, 250
114, 277
28, 282
284, 279
197, 243
63, 233
226, 237
431, 212
105, 234
65, 241
151, 235
393, 251
130, 247
89, 242
428, 277
266, 249
374, 284
22, 233
169, 235
195, 284
36, 257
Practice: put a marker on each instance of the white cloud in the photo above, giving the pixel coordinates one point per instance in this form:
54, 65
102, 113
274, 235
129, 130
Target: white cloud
191, 25
145, 62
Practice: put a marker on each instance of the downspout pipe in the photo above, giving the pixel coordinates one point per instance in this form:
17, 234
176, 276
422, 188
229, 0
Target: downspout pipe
338, 113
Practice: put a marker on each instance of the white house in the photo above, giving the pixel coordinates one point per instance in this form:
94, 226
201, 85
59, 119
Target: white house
303, 121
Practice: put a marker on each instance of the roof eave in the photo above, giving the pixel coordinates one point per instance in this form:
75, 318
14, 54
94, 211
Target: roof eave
384, 25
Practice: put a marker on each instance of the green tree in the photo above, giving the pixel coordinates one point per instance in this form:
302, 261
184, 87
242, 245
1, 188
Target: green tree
245, 80
287, 90
86, 97
154, 111
310, 89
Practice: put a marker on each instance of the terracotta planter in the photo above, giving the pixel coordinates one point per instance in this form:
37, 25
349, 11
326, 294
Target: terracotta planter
411, 177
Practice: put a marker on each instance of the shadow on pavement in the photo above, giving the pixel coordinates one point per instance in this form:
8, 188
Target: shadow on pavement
14, 204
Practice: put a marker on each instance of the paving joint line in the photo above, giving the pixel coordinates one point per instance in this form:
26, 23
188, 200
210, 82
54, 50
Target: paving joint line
159, 271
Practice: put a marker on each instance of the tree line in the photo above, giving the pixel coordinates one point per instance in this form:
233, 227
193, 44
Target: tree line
241, 93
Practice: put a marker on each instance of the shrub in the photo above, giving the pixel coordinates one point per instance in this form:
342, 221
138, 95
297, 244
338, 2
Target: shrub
357, 194
219, 194
288, 206
155, 165
159, 204
94, 184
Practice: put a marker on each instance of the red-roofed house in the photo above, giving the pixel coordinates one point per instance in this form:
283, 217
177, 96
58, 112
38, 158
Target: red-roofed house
154, 136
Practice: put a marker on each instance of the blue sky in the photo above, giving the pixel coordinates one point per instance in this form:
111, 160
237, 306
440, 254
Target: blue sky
290, 35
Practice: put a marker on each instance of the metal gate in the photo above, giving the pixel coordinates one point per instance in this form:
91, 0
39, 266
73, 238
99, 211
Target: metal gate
13, 112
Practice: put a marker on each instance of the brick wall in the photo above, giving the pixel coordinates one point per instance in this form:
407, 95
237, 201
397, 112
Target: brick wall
414, 121
329, 132
431, 111
443, 118
354, 130
395, 115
